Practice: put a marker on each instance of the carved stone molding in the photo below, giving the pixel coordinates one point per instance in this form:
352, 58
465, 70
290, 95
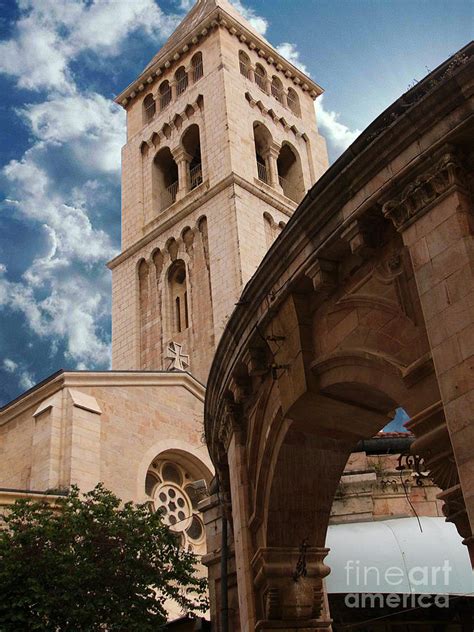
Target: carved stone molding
425, 190
289, 581
323, 274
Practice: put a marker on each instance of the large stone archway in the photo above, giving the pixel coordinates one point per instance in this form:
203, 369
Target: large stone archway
364, 304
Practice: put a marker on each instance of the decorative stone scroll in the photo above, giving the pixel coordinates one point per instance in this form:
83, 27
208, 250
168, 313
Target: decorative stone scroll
424, 190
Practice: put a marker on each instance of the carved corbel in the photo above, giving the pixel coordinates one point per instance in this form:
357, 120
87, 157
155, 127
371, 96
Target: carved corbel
323, 274
356, 234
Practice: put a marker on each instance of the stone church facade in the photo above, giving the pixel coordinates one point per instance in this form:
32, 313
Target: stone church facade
222, 146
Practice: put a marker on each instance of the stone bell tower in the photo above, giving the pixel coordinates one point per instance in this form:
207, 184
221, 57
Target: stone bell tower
221, 146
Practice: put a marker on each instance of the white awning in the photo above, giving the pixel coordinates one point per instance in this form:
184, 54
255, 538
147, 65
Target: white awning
394, 556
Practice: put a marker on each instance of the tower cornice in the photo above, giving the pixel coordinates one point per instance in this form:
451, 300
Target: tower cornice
218, 18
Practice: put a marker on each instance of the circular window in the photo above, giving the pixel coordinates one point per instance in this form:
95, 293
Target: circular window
173, 494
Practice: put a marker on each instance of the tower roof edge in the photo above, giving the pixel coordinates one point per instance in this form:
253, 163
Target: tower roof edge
204, 15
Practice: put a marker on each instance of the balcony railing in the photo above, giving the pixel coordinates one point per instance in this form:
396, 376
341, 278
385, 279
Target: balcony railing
198, 72
195, 176
262, 172
288, 189
150, 111
181, 85
165, 99
169, 195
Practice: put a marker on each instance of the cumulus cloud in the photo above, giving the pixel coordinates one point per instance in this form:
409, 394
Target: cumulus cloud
338, 135
52, 33
291, 53
259, 23
26, 380
9, 365
92, 126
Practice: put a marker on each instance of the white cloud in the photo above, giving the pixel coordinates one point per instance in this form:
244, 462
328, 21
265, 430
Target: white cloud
92, 126
52, 33
338, 135
292, 54
69, 312
259, 23
26, 380
9, 365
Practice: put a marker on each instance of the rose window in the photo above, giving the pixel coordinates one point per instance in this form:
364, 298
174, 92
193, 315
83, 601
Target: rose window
172, 490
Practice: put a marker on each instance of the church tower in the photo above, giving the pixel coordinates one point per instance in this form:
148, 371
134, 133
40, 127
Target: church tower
221, 146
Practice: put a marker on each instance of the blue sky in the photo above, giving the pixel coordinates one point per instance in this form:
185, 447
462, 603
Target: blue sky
62, 62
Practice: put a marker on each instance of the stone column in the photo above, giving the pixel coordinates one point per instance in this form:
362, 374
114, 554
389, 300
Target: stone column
271, 157
183, 160
240, 519
434, 213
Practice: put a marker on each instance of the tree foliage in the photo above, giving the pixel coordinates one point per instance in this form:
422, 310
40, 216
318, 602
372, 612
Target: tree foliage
92, 563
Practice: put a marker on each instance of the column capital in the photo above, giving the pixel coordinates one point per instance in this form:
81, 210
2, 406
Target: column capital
180, 154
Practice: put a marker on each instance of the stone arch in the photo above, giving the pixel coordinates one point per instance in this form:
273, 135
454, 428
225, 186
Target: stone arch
196, 455
191, 143
262, 141
164, 179
290, 172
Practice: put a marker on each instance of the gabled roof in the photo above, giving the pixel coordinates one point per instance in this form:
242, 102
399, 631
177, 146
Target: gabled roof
200, 11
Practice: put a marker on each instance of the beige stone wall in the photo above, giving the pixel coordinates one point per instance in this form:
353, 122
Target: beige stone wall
243, 214
90, 428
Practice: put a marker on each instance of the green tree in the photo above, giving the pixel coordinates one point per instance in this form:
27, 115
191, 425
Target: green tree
92, 563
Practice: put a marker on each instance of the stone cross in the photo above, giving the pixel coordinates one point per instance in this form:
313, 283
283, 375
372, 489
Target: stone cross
179, 360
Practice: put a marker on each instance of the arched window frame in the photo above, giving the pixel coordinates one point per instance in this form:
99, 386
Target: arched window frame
149, 108
197, 66
277, 89
181, 78
293, 102
244, 64
165, 94
261, 77
178, 288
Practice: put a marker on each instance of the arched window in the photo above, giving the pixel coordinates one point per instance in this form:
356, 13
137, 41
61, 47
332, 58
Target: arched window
293, 102
175, 487
244, 64
261, 77
181, 77
262, 139
290, 173
197, 66
277, 89
192, 145
149, 108
164, 179
165, 94
179, 296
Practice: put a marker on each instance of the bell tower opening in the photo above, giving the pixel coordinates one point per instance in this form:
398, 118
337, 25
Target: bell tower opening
165, 179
